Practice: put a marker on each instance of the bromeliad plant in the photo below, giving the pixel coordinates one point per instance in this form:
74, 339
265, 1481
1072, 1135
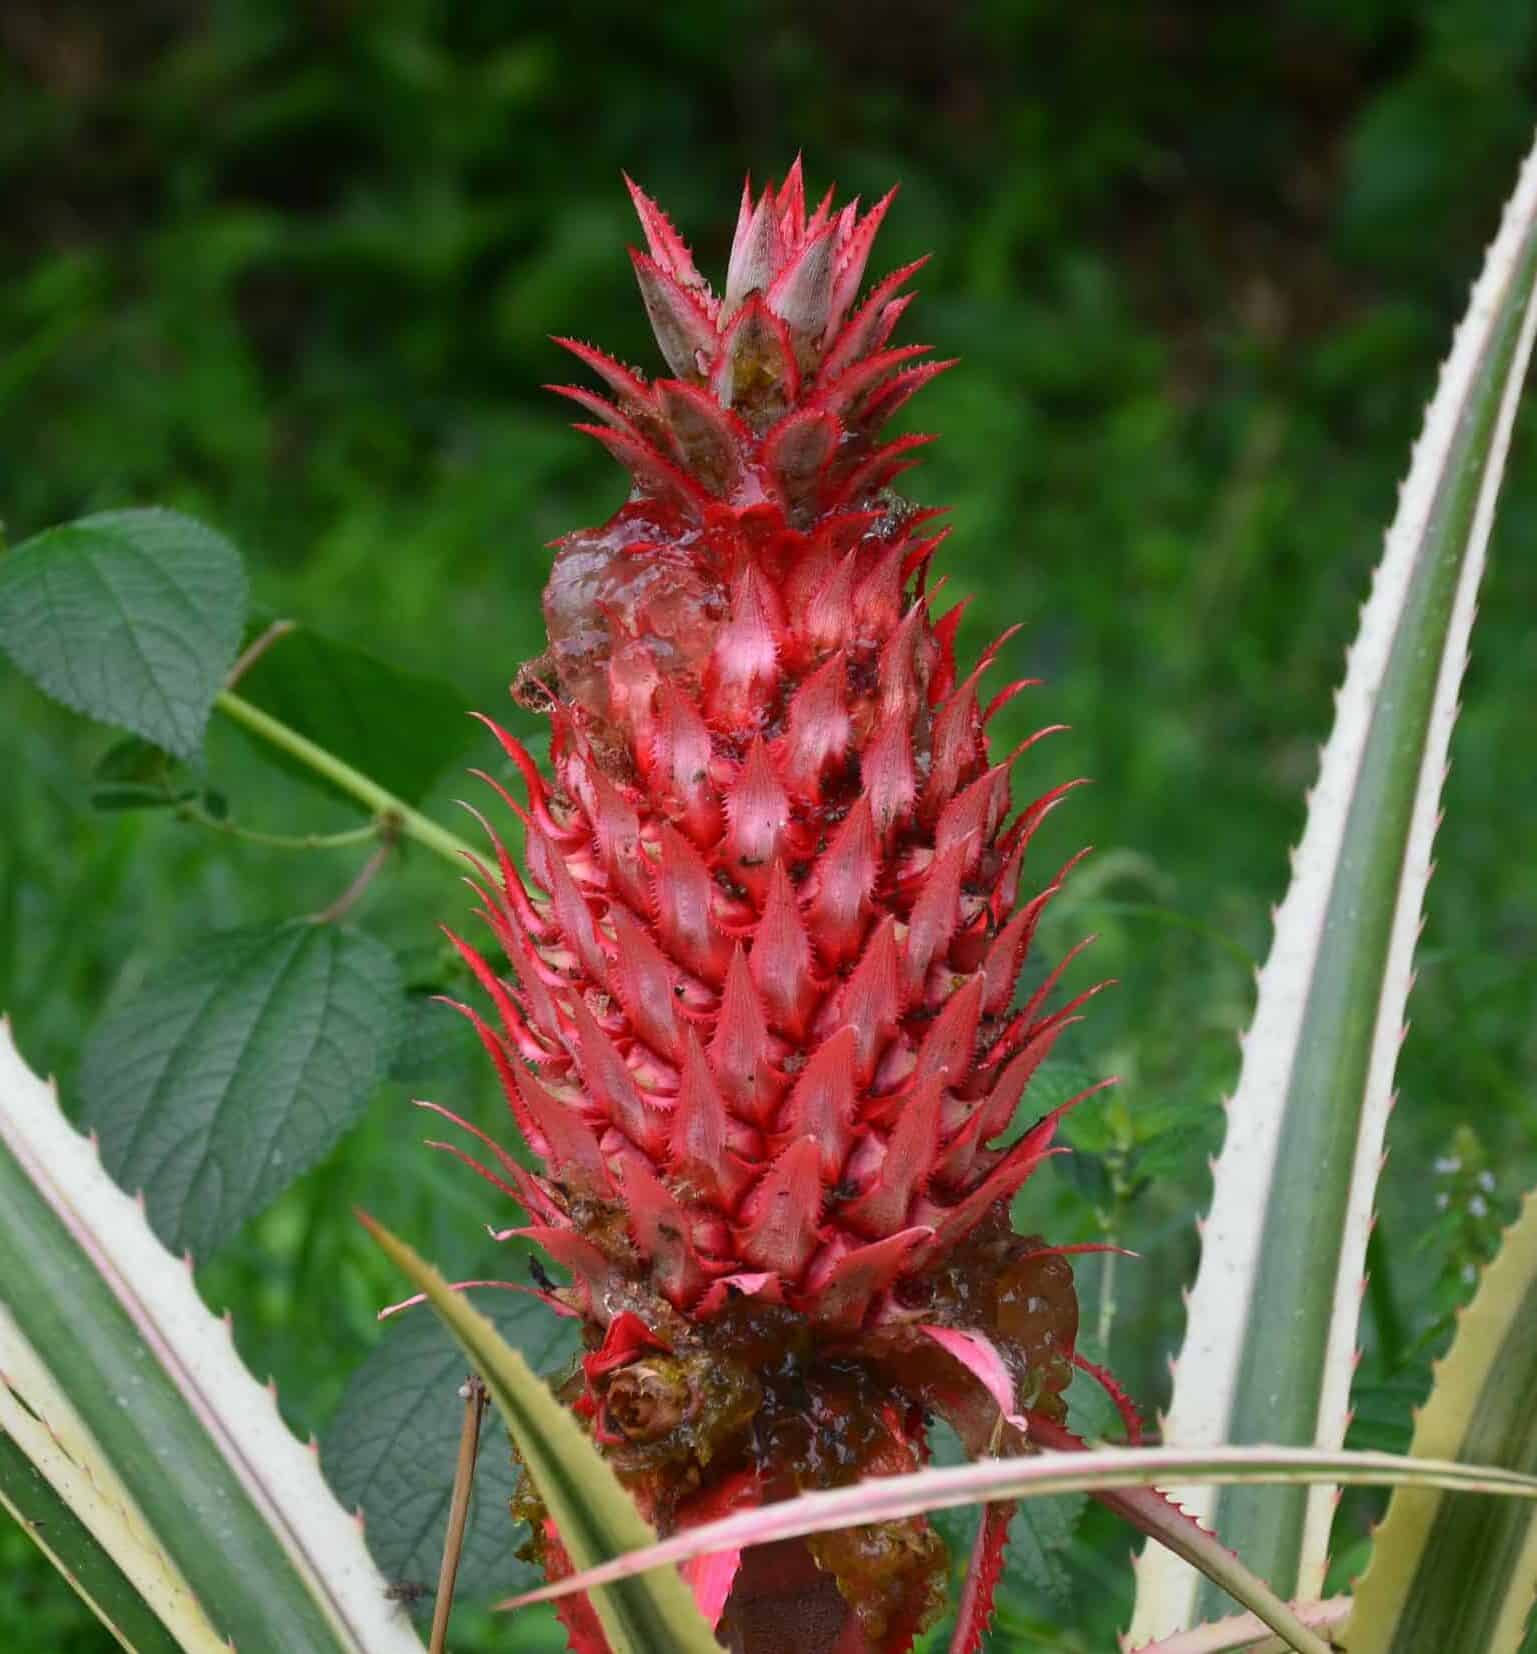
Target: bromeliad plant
769, 994
759, 1027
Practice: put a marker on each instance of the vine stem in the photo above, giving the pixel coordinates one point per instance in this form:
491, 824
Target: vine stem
281, 841
411, 823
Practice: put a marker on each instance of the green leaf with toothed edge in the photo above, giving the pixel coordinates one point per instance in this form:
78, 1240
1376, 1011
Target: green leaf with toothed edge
106, 1345
236, 1067
1271, 1335
1458, 1573
131, 617
593, 1514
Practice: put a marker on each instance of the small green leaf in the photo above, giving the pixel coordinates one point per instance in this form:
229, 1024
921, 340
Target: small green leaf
594, 1515
131, 617
392, 1447
236, 1069
399, 728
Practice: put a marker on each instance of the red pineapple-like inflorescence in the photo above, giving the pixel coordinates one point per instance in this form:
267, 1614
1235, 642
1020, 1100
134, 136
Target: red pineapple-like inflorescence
761, 1025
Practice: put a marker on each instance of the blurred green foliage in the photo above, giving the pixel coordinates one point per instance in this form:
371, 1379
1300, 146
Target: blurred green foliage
292, 267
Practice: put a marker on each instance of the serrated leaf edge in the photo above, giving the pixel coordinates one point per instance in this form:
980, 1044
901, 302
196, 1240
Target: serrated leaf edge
1245, 1632
196, 1350
1207, 1373
892, 1498
104, 522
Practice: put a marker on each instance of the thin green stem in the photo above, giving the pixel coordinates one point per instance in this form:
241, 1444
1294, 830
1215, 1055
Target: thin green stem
411, 823
281, 841
1107, 1304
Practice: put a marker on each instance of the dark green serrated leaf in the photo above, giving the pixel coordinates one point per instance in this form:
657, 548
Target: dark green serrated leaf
131, 617
134, 761
437, 1045
1035, 1570
236, 1068
399, 728
392, 1446
1174, 1154
1087, 1175
1034, 1563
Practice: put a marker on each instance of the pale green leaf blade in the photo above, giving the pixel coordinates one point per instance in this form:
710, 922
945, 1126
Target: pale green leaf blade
594, 1515
131, 617
236, 1068
1460, 1573
40, 1423
1271, 1336
105, 1341
72, 1548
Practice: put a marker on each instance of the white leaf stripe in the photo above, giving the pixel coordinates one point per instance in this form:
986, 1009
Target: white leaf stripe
35, 1414
194, 1352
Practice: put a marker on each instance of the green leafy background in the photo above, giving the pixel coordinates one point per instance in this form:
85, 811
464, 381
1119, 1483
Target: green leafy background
291, 268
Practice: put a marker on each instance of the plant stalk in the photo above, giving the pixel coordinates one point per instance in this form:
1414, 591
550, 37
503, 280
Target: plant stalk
200, 817
259, 646
412, 824
474, 1393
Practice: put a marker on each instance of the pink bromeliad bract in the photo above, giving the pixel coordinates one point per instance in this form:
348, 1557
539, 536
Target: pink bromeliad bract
761, 1026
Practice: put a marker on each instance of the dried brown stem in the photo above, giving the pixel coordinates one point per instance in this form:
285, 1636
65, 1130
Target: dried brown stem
258, 647
474, 1393
388, 830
